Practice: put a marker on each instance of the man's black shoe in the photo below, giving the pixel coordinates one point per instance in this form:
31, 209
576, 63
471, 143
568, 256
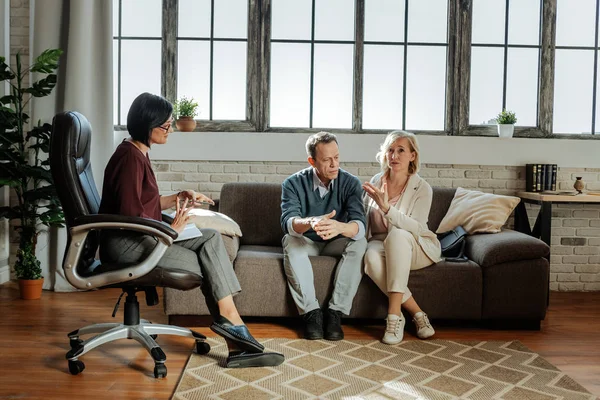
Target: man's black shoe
333, 325
313, 324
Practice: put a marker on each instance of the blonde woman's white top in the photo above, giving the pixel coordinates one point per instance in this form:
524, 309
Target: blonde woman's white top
410, 213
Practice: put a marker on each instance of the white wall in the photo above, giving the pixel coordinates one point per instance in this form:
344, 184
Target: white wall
243, 146
5, 52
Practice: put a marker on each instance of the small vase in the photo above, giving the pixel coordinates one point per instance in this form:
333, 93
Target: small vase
31, 289
579, 185
185, 124
506, 130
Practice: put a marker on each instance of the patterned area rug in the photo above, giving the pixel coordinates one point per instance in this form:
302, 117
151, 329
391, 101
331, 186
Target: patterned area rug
366, 369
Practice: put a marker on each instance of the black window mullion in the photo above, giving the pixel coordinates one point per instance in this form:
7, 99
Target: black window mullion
312, 64
405, 64
505, 74
537, 100
212, 34
595, 70
119, 63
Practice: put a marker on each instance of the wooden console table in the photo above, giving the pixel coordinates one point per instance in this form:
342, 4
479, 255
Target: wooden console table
543, 222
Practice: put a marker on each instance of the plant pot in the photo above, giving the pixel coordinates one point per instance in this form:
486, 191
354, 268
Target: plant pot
31, 289
506, 130
185, 124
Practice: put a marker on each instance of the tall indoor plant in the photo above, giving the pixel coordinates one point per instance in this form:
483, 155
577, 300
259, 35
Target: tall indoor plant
23, 163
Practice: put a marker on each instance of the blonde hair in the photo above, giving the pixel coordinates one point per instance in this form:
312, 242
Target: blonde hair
381, 156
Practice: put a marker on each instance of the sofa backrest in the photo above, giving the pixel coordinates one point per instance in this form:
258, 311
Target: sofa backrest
442, 197
256, 207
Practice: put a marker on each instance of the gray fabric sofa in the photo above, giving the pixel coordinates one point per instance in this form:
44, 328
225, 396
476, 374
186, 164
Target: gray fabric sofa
506, 277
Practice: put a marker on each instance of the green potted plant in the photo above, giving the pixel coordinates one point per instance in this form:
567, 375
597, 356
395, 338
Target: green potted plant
24, 166
184, 111
506, 121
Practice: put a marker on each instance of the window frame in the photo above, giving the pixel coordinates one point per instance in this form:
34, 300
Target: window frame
458, 73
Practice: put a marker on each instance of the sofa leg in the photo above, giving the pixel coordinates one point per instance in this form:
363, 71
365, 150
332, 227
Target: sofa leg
514, 324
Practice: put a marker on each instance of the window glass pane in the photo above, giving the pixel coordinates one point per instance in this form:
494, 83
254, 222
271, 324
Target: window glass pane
290, 85
291, 19
382, 87
427, 21
193, 19
229, 85
116, 82
115, 17
193, 74
522, 85
524, 22
573, 80
332, 98
597, 125
231, 19
488, 21
487, 66
334, 20
140, 71
575, 24
426, 88
142, 18
384, 20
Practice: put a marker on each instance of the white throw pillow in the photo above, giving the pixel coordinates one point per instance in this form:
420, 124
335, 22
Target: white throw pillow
214, 220
478, 212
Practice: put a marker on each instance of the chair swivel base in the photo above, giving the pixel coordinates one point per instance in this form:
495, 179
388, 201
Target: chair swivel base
145, 332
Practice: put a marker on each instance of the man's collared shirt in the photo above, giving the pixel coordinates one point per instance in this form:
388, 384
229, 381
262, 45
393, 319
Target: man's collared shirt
323, 191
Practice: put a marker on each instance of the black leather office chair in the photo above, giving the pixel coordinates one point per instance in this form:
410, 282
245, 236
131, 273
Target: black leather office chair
72, 174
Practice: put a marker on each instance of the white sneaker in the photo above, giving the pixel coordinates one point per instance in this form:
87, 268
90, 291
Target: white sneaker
424, 328
394, 329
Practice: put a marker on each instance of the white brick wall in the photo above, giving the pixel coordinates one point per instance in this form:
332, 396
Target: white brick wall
575, 261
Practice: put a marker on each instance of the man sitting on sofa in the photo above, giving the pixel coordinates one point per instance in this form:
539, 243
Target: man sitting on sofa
322, 214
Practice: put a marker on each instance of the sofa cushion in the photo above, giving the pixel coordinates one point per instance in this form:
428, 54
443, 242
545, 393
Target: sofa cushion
496, 248
477, 212
256, 207
214, 220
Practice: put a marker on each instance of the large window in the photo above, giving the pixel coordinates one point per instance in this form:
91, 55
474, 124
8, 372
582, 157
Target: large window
505, 60
437, 66
575, 94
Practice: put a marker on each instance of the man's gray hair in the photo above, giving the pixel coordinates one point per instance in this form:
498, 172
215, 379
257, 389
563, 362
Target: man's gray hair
314, 140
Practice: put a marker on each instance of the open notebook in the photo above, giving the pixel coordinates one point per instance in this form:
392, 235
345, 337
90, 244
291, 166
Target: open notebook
190, 231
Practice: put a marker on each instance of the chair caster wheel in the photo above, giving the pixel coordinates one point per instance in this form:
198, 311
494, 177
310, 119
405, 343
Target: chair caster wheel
160, 370
75, 343
154, 336
202, 348
76, 366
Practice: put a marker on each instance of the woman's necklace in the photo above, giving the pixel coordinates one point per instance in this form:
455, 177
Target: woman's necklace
401, 191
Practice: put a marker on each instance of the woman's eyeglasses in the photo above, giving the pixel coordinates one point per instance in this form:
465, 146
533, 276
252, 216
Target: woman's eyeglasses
165, 128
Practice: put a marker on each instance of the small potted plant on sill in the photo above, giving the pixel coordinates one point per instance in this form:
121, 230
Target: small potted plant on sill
506, 121
24, 167
184, 111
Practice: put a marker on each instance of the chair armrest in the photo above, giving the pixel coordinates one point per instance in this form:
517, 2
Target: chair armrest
166, 218
82, 227
488, 249
113, 221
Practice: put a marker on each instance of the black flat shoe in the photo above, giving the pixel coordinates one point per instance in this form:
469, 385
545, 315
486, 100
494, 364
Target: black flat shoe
242, 359
313, 324
333, 326
238, 334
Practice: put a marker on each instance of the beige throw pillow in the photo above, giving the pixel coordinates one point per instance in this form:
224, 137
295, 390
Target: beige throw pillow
478, 212
214, 220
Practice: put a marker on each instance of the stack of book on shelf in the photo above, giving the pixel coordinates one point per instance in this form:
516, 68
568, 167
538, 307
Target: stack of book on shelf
540, 177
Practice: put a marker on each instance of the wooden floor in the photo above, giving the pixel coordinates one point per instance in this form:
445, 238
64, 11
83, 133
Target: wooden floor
34, 342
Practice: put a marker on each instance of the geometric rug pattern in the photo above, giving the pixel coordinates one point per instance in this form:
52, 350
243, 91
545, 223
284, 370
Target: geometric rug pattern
368, 369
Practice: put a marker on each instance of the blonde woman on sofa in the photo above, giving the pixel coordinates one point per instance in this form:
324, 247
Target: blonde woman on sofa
397, 202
